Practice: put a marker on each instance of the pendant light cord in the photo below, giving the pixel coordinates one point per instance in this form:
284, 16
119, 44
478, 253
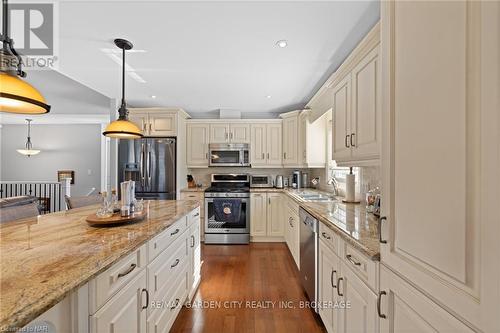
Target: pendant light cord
28, 142
5, 18
123, 108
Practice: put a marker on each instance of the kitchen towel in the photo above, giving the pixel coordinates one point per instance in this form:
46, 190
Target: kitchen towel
227, 210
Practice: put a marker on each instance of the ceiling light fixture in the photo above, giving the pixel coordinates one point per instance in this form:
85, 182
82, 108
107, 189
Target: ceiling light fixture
153, 96
16, 95
282, 43
28, 149
122, 128
268, 96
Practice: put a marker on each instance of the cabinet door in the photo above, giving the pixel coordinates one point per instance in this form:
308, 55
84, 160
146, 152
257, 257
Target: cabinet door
239, 133
341, 119
361, 315
366, 103
258, 145
219, 133
407, 310
162, 124
141, 120
258, 216
295, 238
194, 256
302, 133
275, 225
273, 144
197, 144
290, 140
328, 273
431, 121
124, 312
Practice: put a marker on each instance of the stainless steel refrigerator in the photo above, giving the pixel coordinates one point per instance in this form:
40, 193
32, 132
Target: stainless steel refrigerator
150, 162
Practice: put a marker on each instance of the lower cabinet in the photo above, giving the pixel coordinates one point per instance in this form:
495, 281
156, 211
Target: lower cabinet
404, 309
266, 218
346, 302
124, 312
292, 231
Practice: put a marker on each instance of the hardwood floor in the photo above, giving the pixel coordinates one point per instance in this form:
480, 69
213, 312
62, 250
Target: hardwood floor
258, 275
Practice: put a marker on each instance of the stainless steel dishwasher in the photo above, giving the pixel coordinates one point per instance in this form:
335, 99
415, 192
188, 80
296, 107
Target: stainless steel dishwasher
309, 245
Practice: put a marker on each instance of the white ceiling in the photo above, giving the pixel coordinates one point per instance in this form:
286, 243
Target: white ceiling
204, 56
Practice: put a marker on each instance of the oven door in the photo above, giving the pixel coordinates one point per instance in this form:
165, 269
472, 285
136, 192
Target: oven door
227, 215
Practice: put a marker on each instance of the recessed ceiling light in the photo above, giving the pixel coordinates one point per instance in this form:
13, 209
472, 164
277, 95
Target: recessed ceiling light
281, 43
268, 96
153, 96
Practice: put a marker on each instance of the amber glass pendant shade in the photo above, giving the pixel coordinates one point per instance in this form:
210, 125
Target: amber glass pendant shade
122, 129
18, 96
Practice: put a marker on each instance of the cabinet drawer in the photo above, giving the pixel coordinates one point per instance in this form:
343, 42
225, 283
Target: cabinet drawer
360, 264
163, 240
108, 283
330, 238
194, 217
169, 305
166, 267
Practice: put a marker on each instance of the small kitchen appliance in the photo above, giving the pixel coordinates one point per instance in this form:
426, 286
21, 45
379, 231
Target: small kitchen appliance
261, 181
296, 179
279, 181
229, 154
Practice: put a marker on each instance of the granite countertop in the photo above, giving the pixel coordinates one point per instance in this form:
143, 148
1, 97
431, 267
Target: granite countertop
43, 259
194, 189
350, 221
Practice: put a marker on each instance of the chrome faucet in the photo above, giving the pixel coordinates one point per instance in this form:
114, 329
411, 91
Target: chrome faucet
332, 181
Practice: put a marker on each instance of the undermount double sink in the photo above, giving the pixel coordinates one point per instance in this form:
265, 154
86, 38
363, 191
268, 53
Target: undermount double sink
315, 196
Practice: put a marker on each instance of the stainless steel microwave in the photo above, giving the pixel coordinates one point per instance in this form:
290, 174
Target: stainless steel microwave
229, 154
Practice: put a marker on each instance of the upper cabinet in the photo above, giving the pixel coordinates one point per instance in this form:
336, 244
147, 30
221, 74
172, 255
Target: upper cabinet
229, 133
266, 145
290, 139
439, 163
157, 121
197, 145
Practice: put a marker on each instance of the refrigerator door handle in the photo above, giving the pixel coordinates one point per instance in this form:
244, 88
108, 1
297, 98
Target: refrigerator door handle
149, 167
141, 165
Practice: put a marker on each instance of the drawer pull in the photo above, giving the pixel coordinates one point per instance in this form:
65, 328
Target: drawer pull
174, 232
147, 299
338, 286
176, 304
175, 263
130, 269
382, 241
325, 235
192, 241
352, 261
197, 214
379, 299
332, 279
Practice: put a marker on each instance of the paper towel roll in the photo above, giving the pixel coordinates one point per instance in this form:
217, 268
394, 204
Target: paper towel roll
350, 191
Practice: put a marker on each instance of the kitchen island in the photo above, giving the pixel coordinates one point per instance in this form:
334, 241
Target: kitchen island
46, 258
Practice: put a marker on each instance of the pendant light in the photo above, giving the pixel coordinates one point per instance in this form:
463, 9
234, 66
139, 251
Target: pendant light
28, 150
16, 95
122, 128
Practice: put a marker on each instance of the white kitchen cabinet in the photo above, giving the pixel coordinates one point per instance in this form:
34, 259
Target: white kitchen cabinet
290, 139
341, 120
157, 121
405, 309
292, 230
197, 145
266, 217
258, 214
194, 253
126, 311
361, 315
437, 115
328, 273
265, 145
275, 221
365, 137
229, 133
312, 140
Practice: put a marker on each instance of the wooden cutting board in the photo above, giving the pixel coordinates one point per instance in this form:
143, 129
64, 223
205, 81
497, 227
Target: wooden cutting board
94, 220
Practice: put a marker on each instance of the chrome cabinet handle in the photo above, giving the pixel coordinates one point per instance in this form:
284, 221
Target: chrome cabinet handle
325, 235
352, 135
263, 156
226, 135
267, 155
150, 127
284, 155
175, 263
269, 200
174, 232
338, 286
352, 261
231, 135
147, 298
176, 304
130, 269
197, 214
192, 241
380, 220
345, 142
206, 156
332, 279
379, 299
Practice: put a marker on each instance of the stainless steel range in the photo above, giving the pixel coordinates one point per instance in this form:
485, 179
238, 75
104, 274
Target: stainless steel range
227, 209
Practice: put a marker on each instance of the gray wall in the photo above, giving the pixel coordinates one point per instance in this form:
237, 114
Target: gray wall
63, 147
